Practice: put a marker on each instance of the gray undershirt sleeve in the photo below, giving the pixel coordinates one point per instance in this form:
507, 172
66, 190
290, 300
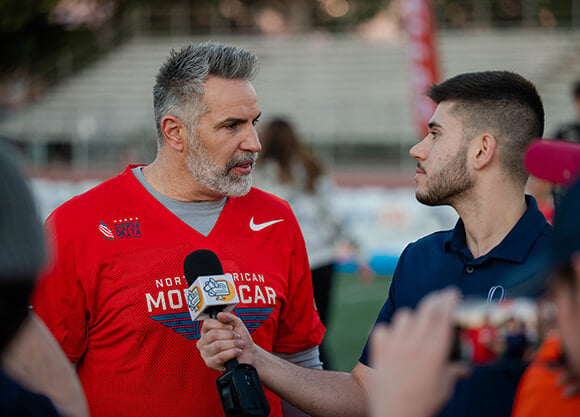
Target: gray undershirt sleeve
309, 358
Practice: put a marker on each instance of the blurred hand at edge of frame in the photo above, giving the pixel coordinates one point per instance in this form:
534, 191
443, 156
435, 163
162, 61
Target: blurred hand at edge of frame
570, 383
412, 372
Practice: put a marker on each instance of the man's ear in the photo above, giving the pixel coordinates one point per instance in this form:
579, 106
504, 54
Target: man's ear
482, 150
174, 132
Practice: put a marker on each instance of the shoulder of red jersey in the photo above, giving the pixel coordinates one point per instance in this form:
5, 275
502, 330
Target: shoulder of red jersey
261, 198
98, 198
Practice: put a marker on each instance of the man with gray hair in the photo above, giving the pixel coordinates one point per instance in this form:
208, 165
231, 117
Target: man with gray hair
114, 293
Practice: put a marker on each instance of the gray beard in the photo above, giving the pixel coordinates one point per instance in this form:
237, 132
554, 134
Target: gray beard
215, 178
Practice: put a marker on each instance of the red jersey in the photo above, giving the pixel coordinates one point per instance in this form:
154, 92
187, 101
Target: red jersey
114, 295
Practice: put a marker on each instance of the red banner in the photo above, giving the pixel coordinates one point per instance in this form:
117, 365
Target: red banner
424, 59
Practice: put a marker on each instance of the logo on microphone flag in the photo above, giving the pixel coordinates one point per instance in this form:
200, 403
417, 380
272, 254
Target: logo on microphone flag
211, 291
194, 299
221, 289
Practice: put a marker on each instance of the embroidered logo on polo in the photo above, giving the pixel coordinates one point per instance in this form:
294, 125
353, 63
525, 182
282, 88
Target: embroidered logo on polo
125, 228
182, 324
496, 294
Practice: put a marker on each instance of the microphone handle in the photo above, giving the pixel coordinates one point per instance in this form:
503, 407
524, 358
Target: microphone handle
213, 312
231, 364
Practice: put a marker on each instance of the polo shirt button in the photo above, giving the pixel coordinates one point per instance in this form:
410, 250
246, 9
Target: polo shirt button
469, 269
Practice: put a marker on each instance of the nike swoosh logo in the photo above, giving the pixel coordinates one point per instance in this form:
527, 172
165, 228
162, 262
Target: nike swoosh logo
257, 227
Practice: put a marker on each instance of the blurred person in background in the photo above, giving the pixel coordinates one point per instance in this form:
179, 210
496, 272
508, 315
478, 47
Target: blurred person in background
571, 131
549, 386
543, 193
36, 378
114, 293
286, 168
517, 343
471, 160
547, 192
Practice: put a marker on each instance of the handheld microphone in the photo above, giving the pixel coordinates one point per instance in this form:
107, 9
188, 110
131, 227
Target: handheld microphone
211, 291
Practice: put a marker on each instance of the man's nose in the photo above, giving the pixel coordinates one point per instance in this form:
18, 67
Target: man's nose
251, 141
418, 150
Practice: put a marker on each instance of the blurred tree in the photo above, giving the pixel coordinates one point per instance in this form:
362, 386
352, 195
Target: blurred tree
37, 43
15, 14
43, 39
461, 14
36, 34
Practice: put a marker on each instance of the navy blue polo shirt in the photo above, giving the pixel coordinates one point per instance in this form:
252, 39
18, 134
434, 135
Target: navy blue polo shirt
442, 259
15, 400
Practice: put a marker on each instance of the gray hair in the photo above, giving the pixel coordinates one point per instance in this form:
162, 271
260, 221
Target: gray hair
178, 89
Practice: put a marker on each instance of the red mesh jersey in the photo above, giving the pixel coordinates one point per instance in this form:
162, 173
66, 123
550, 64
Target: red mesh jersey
114, 295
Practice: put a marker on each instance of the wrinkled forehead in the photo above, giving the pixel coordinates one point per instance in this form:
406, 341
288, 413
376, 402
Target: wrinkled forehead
228, 91
227, 99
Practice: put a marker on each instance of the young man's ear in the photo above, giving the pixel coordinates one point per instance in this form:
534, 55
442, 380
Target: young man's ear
174, 132
483, 149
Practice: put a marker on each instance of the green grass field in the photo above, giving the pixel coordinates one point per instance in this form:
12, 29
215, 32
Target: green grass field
354, 310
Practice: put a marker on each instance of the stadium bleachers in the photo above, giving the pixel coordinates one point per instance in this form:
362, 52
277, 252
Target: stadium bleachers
338, 89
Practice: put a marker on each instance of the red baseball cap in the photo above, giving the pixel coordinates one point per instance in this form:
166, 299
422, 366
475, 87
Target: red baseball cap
554, 160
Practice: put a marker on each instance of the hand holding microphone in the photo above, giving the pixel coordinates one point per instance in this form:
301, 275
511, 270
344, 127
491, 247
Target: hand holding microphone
211, 291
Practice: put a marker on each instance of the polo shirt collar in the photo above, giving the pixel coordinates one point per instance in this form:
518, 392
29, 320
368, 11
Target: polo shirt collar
514, 247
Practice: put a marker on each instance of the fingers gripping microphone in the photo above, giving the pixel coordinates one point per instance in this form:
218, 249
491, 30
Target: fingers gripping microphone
211, 291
